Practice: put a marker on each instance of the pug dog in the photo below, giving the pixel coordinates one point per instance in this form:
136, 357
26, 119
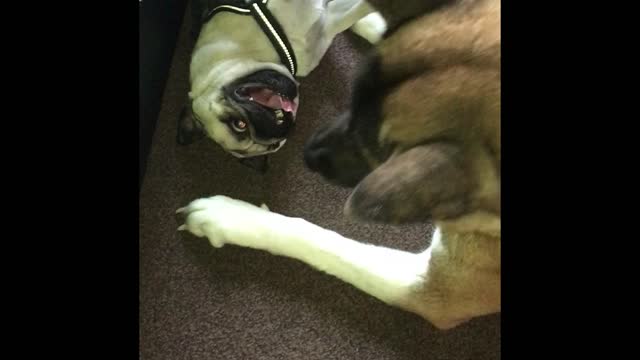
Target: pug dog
246, 62
421, 142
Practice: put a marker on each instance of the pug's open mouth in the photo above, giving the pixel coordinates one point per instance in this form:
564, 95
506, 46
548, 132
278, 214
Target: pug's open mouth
268, 97
264, 107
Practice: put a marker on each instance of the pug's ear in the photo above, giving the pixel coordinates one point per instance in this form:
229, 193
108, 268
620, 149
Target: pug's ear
425, 182
189, 128
258, 163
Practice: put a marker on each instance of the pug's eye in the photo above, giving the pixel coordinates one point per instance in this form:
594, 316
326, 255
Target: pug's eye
239, 125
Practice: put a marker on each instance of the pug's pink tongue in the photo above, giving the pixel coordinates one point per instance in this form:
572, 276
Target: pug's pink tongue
270, 99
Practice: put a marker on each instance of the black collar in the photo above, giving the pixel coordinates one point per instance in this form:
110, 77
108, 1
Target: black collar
270, 26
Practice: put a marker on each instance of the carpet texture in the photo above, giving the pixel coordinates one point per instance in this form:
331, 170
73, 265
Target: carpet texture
197, 302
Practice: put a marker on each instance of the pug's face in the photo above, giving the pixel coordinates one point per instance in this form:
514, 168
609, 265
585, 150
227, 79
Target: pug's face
422, 138
248, 117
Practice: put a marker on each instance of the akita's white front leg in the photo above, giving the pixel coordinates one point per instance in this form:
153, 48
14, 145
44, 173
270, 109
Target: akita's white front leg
389, 275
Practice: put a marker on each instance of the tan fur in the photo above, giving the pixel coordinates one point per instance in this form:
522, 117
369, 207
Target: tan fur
445, 67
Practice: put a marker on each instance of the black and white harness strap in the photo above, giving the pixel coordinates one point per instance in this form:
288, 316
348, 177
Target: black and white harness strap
270, 26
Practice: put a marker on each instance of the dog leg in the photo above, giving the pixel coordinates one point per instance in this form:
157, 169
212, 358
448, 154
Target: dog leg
436, 284
390, 275
355, 14
372, 27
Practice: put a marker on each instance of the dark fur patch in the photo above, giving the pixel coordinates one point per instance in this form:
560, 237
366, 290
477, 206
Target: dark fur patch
334, 154
347, 149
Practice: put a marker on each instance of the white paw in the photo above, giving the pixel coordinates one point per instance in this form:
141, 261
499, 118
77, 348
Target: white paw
371, 27
220, 218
